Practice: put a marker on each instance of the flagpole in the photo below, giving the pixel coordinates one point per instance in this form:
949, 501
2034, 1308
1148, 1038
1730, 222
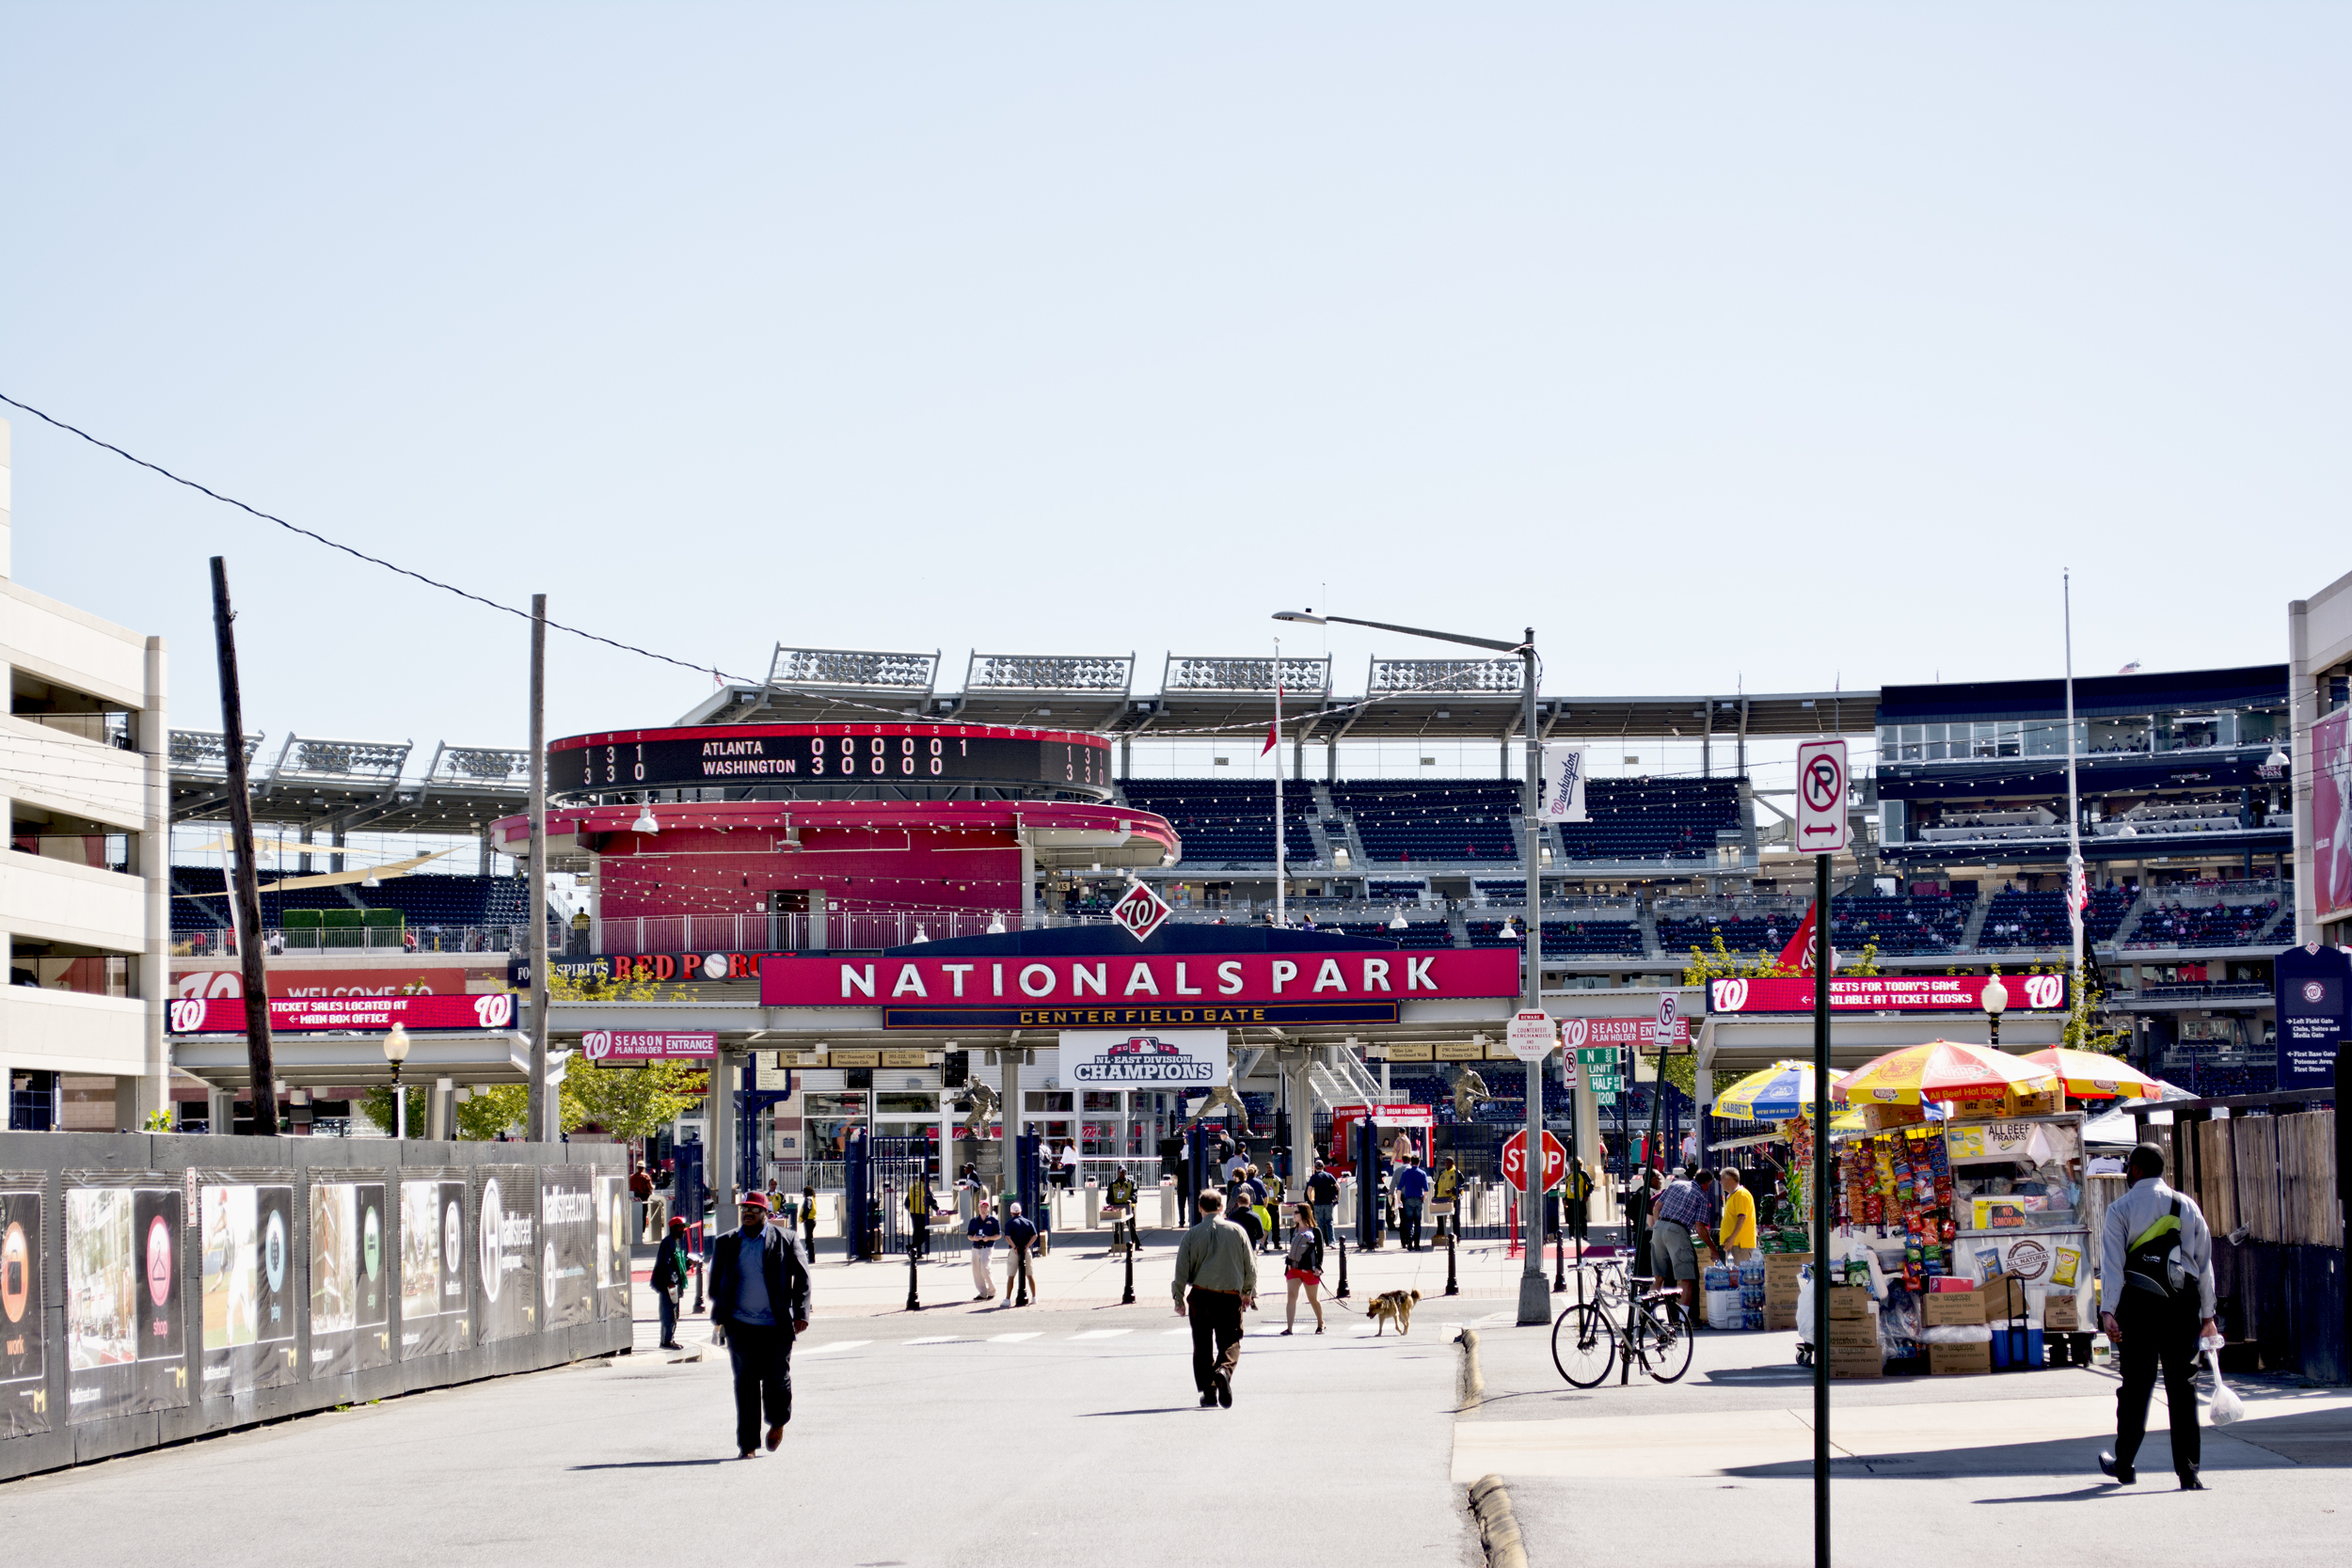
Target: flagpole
2076, 894
1282, 873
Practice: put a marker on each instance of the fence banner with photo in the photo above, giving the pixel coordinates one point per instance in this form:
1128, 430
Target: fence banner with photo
24, 1328
569, 1259
246, 1232
350, 1277
612, 1245
435, 1316
506, 1264
125, 1323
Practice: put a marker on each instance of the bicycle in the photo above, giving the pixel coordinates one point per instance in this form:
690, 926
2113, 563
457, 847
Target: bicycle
1586, 1341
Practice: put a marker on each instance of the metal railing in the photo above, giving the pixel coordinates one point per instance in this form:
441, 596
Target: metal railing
222, 939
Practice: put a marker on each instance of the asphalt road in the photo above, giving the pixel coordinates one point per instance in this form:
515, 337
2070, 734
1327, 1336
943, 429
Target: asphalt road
1021, 1437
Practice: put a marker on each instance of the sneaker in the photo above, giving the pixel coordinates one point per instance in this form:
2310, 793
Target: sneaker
2189, 1481
1208, 1401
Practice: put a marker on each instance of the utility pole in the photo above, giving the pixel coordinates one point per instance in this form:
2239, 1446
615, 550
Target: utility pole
1534, 1295
544, 1124
249, 891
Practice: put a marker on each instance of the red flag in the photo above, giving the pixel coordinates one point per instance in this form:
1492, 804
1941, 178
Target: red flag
1797, 955
1274, 729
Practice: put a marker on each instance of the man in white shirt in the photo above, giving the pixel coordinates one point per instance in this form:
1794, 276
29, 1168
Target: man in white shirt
2155, 1302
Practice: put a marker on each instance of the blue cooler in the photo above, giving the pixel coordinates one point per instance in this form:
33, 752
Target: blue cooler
2014, 1350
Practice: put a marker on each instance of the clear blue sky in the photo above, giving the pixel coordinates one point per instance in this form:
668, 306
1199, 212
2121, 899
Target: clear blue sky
1777, 343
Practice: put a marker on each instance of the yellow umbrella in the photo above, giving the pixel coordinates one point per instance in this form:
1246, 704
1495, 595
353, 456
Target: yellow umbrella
1776, 1093
1942, 1070
2089, 1075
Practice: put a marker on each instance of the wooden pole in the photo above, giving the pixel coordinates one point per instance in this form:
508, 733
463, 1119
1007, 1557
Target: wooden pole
248, 889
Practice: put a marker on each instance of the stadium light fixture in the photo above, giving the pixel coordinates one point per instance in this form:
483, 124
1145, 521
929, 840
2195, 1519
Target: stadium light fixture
645, 823
996, 925
1396, 921
371, 880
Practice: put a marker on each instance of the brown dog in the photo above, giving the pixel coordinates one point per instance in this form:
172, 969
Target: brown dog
1392, 1306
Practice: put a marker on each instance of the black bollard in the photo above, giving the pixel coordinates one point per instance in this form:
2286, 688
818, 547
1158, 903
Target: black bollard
1341, 1294
1127, 1297
1560, 1263
1452, 1288
915, 1299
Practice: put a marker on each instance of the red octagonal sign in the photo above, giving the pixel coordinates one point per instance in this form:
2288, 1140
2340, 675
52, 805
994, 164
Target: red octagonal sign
1141, 912
1515, 1160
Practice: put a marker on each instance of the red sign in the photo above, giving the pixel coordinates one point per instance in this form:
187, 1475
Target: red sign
2331, 813
357, 1014
1354, 974
286, 981
1387, 1115
634, 1048
1899, 993
1141, 912
1515, 1160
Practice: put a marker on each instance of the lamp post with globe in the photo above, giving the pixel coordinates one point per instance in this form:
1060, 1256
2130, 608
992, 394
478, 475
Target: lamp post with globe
396, 1052
1996, 1002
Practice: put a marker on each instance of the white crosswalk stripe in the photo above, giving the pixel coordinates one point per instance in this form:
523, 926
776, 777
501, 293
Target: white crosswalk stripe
1012, 1338
1102, 1334
837, 1344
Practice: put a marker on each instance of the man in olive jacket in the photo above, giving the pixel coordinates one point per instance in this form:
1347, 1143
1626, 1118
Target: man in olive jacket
1219, 1265
759, 1295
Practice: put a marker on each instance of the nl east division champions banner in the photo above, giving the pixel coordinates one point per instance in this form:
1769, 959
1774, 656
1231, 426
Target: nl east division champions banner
246, 1234
506, 1267
568, 1258
350, 1278
1161, 1060
24, 1348
126, 1339
434, 1319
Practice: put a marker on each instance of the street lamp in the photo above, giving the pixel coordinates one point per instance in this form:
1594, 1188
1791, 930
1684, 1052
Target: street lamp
396, 1052
1996, 1000
1535, 1291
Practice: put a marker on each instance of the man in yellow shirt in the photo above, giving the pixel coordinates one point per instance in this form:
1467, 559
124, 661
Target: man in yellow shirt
1735, 1238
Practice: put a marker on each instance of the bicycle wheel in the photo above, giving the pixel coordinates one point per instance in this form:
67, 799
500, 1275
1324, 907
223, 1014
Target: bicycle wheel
1666, 1346
1582, 1345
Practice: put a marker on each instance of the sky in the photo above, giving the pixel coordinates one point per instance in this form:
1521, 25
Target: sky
1772, 347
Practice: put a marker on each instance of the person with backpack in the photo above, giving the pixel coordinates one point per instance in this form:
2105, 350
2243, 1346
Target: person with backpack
2155, 1302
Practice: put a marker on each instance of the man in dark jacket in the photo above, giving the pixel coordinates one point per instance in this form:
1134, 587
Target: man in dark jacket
759, 1295
1020, 1279
669, 1269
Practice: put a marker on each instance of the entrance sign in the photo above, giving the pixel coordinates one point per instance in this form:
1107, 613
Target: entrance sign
1162, 1059
1531, 1036
1140, 912
2314, 1000
1583, 1032
1940, 993
1564, 785
1822, 824
634, 1048
1515, 1160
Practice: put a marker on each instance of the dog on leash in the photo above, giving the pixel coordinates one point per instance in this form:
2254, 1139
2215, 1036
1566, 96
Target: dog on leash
1392, 1306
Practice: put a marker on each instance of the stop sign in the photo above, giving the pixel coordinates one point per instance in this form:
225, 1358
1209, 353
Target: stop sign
1515, 1160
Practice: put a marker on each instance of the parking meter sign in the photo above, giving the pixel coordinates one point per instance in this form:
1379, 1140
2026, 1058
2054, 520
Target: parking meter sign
1822, 824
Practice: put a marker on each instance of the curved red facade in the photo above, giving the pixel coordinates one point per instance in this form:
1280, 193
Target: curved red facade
735, 857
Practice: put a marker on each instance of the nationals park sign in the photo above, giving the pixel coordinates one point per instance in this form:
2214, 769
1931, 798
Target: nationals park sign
1147, 991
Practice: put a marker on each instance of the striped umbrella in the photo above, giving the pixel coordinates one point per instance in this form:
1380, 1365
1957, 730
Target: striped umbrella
2089, 1075
1942, 1070
1781, 1092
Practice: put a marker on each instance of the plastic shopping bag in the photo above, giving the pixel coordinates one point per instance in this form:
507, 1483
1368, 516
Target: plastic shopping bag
2225, 1406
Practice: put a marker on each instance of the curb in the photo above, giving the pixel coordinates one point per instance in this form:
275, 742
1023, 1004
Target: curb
1498, 1529
1470, 1386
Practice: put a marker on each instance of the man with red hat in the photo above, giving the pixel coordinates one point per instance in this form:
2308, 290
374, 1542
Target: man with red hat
671, 1264
759, 1297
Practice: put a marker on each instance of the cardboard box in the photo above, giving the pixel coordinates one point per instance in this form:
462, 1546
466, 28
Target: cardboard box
1773, 1297
1959, 1360
2062, 1313
1946, 1308
1845, 1363
1854, 1333
1779, 1319
1785, 1265
1848, 1301
2002, 1297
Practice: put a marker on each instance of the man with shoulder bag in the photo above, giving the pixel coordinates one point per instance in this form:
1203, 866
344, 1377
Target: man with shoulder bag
671, 1265
2155, 1302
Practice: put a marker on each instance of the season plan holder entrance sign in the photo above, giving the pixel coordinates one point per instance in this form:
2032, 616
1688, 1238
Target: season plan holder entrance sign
1154, 992
1886, 993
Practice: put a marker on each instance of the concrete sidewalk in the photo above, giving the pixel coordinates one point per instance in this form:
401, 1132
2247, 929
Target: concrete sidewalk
1919, 1463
